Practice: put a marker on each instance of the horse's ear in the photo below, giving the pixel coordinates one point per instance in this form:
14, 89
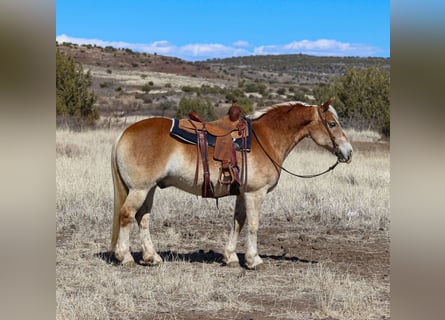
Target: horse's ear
325, 106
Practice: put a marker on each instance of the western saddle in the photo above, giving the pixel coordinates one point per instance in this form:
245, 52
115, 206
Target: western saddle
226, 130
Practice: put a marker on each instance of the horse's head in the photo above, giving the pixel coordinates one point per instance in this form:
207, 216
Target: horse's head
327, 132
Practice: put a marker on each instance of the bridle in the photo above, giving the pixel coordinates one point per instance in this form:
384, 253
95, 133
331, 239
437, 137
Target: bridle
325, 124
294, 174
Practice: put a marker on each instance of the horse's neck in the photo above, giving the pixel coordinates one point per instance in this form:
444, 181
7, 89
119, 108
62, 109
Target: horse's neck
281, 131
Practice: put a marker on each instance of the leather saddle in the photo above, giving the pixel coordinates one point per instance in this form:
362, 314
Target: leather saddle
231, 134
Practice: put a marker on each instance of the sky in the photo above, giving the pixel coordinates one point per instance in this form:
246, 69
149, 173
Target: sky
200, 30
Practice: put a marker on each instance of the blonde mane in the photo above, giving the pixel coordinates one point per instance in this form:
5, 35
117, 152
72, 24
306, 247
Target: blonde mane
260, 113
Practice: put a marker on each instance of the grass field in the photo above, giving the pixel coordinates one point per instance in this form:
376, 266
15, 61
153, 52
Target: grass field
325, 242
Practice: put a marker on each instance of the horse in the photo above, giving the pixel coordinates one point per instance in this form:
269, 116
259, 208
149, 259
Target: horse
145, 156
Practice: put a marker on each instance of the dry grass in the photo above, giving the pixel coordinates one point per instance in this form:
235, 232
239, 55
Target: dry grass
363, 135
353, 199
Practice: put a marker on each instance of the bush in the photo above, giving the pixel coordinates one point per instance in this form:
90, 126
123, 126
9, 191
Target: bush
106, 84
188, 89
281, 91
73, 100
246, 105
256, 87
202, 107
362, 98
167, 105
234, 94
147, 87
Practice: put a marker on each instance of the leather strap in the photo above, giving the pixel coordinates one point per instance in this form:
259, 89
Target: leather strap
202, 152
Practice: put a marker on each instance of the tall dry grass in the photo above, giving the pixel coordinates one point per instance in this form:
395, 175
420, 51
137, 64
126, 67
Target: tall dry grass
354, 197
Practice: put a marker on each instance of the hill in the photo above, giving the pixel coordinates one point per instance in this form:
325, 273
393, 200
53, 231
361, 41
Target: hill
292, 68
126, 59
133, 83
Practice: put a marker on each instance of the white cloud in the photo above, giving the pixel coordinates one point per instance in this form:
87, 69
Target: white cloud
325, 47
202, 51
241, 43
162, 47
215, 50
101, 43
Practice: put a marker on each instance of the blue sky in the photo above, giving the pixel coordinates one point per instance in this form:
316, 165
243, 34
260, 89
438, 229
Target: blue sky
198, 30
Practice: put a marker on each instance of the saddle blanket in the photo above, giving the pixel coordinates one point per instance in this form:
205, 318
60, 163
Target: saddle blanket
192, 139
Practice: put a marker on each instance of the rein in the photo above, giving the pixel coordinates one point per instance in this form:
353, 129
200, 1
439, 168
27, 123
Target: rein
284, 169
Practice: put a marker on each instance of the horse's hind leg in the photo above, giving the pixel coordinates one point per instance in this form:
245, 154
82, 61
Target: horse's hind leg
239, 218
133, 202
149, 254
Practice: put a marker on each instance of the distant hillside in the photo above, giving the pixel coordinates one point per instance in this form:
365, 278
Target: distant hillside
126, 59
131, 83
293, 68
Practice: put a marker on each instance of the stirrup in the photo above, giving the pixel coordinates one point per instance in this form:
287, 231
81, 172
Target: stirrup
226, 175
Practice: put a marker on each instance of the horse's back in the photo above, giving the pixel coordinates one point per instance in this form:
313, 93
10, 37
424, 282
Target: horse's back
145, 133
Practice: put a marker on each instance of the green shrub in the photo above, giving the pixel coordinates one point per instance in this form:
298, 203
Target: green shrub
188, 89
245, 104
202, 107
147, 87
281, 91
234, 94
259, 87
362, 98
251, 87
73, 99
206, 89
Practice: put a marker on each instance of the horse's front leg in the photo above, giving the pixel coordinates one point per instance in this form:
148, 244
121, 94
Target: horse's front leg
239, 218
253, 201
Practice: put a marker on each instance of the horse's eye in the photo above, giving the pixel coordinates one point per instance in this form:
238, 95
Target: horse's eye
331, 124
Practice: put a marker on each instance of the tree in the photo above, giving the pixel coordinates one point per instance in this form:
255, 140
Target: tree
202, 107
73, 99
361, 98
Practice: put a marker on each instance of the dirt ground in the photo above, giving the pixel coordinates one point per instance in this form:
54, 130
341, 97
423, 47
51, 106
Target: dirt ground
286, 246
306, 258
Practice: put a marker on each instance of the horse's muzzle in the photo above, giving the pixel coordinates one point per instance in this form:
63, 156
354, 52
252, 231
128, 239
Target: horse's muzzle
344, 153
344, 160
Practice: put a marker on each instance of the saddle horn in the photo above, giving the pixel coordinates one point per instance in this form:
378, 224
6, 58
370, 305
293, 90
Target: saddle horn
194, 116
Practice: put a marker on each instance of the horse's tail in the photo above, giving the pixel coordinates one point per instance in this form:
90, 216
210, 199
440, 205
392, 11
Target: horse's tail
120, 194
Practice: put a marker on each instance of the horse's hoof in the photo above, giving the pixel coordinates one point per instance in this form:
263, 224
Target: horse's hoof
153, 261
260, 266
125, 258
232, 264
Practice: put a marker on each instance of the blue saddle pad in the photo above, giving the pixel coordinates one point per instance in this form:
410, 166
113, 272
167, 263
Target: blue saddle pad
192, 139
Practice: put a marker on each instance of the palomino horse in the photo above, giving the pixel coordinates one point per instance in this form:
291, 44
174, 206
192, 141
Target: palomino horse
145, 156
